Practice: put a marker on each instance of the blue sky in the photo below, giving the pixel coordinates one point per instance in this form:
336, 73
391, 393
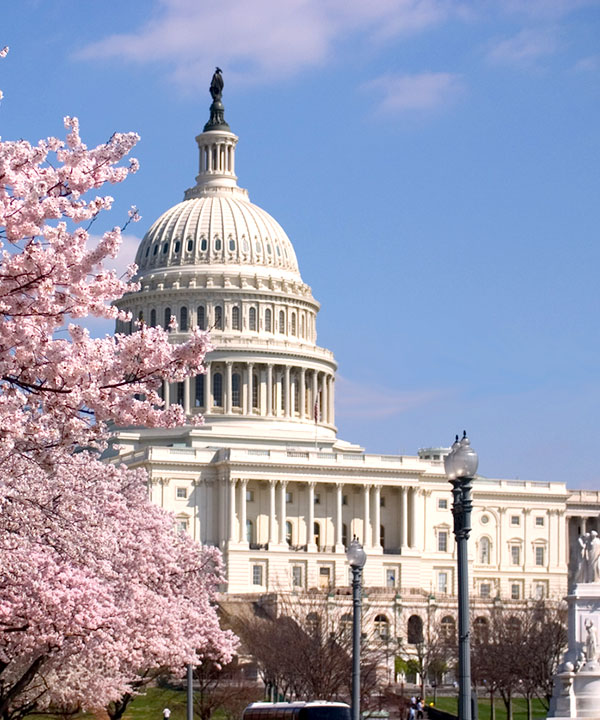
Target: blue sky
436, 165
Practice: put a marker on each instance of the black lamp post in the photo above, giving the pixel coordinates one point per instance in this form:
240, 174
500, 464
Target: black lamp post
356, 558
460, 465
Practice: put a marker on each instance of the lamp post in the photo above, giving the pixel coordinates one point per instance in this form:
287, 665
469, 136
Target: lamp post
356, 558
460, 466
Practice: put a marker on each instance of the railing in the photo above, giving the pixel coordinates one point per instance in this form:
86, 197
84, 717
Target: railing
259, 546
392, 551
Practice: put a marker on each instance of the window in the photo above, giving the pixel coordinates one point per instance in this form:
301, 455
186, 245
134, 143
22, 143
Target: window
201, 315
344, 535
539, 556
297, 576
481, 629
177, 246
190, 245
167, 318
249, 495
382, 501
231, 244
235, 318
252, 319
217, 389
180, 393
268, 322
442, 541
218, 244
235, 390
515, 591
281, 327
257, 574
485, 590
442, 582
539, 521
484, 551
390, 578
199, 393
317, 534
382, 627
153, 318
218, 317
181, 493
540, 591
249, 531
203, 244
289, 497
255, 391
448, 626
515, 554
183, 319
382, 536
182, 525
515, 520
288, 532
294, 324
317, 498
344, 499
165, 248
324, 577
442, 504
414, 630
347, 624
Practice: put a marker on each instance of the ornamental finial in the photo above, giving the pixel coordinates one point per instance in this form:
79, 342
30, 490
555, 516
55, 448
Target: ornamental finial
217, 111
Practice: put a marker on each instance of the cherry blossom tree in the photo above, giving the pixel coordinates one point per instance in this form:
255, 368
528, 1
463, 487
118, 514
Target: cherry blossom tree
95, 584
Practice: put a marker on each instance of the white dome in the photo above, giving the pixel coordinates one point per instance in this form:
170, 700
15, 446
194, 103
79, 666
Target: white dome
216, 229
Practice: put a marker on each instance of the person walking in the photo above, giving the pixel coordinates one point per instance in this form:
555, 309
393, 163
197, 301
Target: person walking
166, 714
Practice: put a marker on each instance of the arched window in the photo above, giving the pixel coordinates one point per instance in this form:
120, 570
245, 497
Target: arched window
281, 321
217, 389
235, 318
203, 244
481, 630
294, 324
199, 394
201, 317
302, 327
140, 317
167, 318
218, 317
382, 627
183, 319
317, 534
288, 532
235, 390
414, 630
344, 535
249, 531
484, 551
177, 247
382, 536
448, 627
252, 319
153, 318
268, 321
255, 391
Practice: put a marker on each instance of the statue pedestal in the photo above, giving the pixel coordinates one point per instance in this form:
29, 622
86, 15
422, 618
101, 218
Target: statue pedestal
577, 683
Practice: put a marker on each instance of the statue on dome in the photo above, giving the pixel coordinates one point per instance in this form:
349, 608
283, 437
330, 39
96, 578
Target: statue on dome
588, 561
216, 84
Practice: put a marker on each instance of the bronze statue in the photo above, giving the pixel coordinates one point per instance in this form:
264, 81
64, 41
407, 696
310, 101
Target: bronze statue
216, 85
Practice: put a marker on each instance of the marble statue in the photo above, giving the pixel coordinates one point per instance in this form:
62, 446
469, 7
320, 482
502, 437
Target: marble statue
588, 562
591, 642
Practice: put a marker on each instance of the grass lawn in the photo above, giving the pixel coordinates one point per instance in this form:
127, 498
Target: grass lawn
519, 708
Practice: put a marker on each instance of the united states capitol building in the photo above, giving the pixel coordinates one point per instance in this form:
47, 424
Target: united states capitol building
266, 478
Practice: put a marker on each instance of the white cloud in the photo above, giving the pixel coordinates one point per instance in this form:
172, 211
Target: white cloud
359, 400
126, 255
264, 38
421, 91
588, 64
524, 48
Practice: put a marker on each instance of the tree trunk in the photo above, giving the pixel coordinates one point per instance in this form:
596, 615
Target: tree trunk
529, 708
116, 709
492, 706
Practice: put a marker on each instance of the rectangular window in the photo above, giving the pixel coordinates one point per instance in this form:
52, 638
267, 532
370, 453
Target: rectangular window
289, 497
317, 498
485, 590
442, 504
257, 574
442, 541
539, 556
515, 591
390, 578
182, 525
515, 520
540, 591
539, 521
297, 576
344, 499
515, 555
382, 501
442, 582
249, 495
181, 493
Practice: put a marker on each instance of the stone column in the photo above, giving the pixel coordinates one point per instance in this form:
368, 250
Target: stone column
228, 388
331, 400
367, 535
412, 523
186, 395
250, 387
324, 412
403, 517
526, 549
339, 545
272, 520
287, 405
269, 389
377, 516
310, 515
207, 389
233, 524
167, 394
315, 396
243, 484
302, 395
282, 512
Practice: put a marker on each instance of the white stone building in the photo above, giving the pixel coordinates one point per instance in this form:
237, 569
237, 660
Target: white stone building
266, 479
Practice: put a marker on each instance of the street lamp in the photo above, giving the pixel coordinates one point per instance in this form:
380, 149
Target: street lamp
356, 558
460, 466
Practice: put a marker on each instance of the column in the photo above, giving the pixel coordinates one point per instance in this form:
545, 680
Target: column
526, 549
403, 517
197, 525
243, 484
269, 389
331, 400
562, 536
186, 395
315, 396
233, 525
377, 516
167, 394
250, 388
287, 405
339, 546
227, 388
366, 516
310, 515
207, 395
324, 399
272, 535
412, 527
282, 512
302, 397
